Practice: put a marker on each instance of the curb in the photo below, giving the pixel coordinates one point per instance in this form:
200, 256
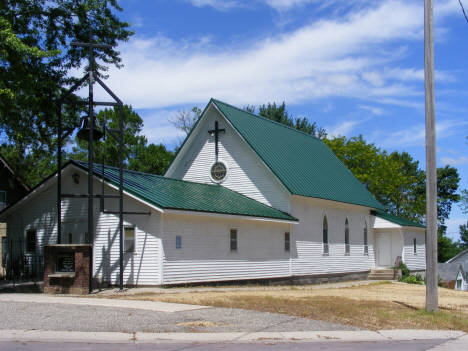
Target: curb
157, 338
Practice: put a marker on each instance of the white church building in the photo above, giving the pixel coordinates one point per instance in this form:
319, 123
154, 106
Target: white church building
244, 198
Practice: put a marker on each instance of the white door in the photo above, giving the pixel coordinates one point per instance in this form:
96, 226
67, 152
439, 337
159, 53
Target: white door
384, 247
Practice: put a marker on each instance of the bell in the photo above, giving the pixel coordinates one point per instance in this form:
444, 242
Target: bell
83, 133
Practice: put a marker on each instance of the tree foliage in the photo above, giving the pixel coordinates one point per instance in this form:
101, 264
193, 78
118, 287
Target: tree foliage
35, 59
137, 154
463, 236
395, 179
446, 247
280, 114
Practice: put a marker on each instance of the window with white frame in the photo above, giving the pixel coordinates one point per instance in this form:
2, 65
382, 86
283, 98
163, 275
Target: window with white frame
415, 247
346, 237
325, 235
366, 244
233, 239
287, 242
129, 239
31, 238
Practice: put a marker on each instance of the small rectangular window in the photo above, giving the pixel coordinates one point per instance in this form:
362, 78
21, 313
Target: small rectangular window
178, 242
70, 238
129, 239
233, 239
3, 197
31, 241
415, 250
287, 242
86, 238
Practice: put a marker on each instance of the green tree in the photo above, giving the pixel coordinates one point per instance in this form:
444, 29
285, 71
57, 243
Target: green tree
280, 114
446, 247
447, 186
464, 201
379, 172
138, 155
395, 179
464, 236
35, 59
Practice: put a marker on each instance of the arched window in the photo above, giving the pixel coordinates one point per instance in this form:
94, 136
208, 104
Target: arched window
325, 234
346, 236
366, 247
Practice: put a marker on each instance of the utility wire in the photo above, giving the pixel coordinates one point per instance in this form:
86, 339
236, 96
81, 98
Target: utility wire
463, 10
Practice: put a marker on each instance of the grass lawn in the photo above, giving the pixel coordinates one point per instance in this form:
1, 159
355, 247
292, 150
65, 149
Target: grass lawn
371, 307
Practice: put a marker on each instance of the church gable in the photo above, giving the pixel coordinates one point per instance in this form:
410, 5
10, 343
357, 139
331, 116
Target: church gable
244, 170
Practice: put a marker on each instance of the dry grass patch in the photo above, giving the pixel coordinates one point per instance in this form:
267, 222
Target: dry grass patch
371, 307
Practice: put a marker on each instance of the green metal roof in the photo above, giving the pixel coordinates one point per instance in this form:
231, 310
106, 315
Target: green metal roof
168, 193
303, 163
397, 220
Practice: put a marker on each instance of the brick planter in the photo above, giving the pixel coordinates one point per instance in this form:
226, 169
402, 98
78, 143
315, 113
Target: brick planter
58, 281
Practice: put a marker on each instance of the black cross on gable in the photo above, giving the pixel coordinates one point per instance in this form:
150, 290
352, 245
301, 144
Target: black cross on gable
216, 131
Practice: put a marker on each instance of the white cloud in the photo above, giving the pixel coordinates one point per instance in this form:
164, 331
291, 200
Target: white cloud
375, 110
220, 5
326, 58
415, 135
454, 161
343, 128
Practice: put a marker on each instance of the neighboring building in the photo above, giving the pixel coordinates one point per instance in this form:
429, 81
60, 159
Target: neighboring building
462, 260
244, 198
452, 275
11, 190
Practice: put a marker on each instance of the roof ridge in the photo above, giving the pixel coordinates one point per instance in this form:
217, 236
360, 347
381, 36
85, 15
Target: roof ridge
266, 119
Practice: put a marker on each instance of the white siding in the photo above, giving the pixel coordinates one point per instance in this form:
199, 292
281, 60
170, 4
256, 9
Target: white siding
414, 261
247, 174
40, 213
307, 246
205, 254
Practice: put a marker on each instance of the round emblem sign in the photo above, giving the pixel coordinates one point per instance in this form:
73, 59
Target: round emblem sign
218, 171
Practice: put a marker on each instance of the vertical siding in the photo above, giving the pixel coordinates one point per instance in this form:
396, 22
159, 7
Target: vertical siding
307, 250
205, 254
40, 213
414, 261
247, 174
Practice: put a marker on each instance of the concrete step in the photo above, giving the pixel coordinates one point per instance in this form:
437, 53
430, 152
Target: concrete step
381, 274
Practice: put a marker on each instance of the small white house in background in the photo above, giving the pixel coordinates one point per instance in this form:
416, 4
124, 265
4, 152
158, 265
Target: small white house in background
244, 198
462, 278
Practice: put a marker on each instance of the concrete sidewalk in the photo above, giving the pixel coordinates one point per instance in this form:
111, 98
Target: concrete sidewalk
142, 305
456, 339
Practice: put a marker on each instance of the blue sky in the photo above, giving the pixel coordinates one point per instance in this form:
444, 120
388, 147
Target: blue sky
353, 66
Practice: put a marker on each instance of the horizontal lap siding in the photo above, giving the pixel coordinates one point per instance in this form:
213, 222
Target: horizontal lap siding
307, 252
418, 261
205, 254
247, 174
311, 260
41, 214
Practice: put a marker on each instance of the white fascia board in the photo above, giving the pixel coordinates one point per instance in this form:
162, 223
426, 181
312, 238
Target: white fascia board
224, 215
253, 151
